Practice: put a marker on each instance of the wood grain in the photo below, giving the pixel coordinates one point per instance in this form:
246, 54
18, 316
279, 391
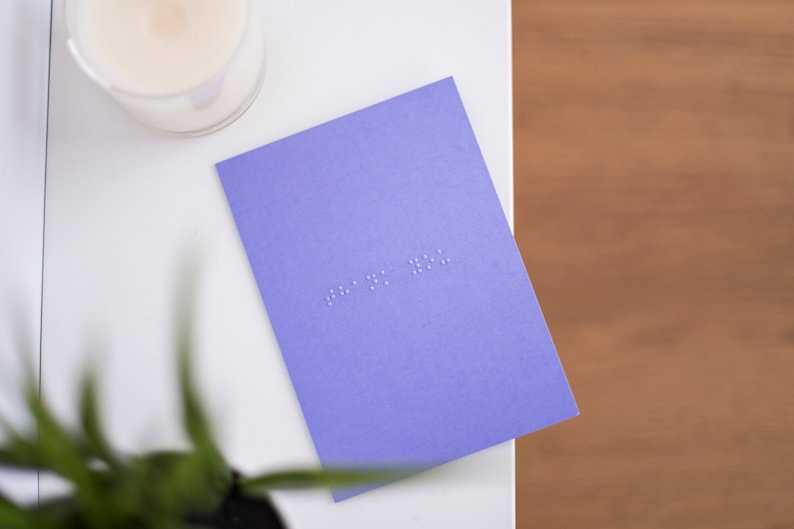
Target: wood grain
654, 172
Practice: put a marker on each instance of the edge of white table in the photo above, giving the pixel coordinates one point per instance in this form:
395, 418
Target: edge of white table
24, 65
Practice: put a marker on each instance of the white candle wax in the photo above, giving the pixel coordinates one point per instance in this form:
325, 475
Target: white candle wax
183, 66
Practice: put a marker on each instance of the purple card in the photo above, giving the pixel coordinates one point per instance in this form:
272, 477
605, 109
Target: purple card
401, 305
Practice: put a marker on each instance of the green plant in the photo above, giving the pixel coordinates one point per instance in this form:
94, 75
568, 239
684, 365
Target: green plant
157, 490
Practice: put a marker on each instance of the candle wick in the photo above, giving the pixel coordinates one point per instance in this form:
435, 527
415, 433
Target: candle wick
166, 19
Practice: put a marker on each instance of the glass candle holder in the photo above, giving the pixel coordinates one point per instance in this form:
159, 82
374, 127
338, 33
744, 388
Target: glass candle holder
182, 67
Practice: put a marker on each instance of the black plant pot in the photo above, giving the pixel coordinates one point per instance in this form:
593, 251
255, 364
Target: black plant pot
240, 512
243, 512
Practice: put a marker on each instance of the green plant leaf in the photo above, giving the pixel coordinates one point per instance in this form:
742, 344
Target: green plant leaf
195, 422
20, 451
55, 446
153, 484
303, 479
205, 472
57, 513
11, 516
195, 488
206, 466
95, 439
62, 453
168, 485
19, 454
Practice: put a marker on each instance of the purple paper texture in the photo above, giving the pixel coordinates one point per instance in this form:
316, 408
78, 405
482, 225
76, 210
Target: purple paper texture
401, 305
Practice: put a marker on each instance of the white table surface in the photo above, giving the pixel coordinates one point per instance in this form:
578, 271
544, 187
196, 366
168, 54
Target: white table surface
24, 62
124, 205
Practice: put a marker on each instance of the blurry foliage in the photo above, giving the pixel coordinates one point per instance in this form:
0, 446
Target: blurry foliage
155, 490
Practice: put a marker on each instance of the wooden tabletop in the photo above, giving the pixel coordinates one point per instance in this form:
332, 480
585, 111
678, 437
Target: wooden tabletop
654, 168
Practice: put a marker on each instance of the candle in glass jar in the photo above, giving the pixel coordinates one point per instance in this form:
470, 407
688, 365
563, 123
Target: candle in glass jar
179, 65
